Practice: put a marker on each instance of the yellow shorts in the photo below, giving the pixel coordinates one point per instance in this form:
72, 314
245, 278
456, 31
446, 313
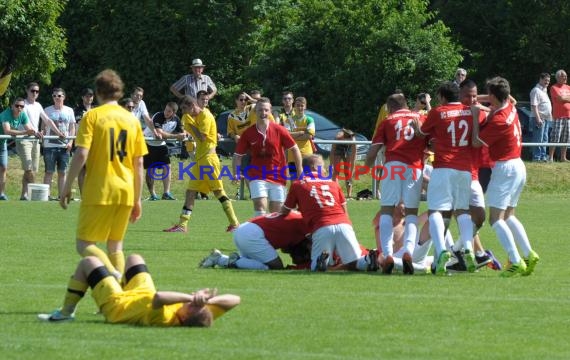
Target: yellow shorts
206, 171
99, 223
119, 304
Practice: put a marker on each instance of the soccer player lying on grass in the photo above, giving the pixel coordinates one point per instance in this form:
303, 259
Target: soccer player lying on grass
138, 302
258, 240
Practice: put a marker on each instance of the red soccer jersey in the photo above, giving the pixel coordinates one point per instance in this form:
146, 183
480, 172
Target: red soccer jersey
502, 134
480, 152
397, 135
560, 109
282, 231
450, 127
267, 152
319, 200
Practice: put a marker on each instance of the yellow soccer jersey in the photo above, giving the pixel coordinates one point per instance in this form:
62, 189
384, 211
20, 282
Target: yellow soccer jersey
114, 138
135, 307
237, 123
206, 125
305, 123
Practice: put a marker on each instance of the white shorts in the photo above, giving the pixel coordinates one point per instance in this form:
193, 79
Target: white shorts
477, 196
266, 189
449, 189
340, 238
250, 240
507, 182
406, 187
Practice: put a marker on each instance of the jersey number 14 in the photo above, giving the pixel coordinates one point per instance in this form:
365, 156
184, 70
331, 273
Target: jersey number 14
119, 146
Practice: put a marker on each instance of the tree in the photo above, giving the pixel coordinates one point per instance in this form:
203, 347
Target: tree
514, 39
347, 56
32, 44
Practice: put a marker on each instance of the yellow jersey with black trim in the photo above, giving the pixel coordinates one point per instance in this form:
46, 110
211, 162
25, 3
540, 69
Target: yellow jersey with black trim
306, 124
237, 122
205, 123
114, 139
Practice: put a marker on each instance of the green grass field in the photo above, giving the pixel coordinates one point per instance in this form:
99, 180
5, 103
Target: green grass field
289, 314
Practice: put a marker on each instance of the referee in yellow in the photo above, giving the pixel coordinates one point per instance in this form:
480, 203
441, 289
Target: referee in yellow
111, 145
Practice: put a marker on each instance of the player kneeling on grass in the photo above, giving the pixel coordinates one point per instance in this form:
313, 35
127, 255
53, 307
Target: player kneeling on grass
258, 240
138, 302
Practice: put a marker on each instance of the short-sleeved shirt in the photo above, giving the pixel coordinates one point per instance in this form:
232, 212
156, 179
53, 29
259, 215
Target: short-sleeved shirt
320, 201
282, 231
539, 98
397, 134
450, 126
305, 123
140, 111
560, 109
33, 111
15, 123
171, 126
190, 85
63, 119
114, 138
206, 125
238, 122
502, 134
267, 152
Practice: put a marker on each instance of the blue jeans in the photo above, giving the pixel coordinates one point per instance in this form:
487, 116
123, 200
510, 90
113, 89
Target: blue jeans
540, 135
56, 157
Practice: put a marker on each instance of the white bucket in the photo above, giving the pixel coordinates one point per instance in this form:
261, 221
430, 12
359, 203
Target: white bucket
38, 192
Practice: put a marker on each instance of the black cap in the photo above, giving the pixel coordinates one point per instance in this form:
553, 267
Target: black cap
86, 91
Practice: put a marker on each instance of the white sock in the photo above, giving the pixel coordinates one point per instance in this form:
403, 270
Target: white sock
361, 263
449, 245
466, 231
436, 232
223, 261
507, 240
247, 263
519, 233
386, 234
410, 232
421, 251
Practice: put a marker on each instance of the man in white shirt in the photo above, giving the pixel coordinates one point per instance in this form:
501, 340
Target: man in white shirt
541, 108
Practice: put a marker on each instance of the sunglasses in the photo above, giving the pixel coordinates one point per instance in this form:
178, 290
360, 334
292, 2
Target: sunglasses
18, 106
57, 95
130, 107
242, 99
287, 98
34, 91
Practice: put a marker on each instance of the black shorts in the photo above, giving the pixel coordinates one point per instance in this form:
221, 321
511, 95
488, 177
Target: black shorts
156, 154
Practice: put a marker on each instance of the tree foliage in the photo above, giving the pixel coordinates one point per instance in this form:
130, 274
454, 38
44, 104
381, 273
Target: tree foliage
347, 56
31, 41
515, 39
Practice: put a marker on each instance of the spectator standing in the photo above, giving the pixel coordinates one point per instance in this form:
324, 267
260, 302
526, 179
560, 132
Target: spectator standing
192, 83
168, 125
302, 129
541, 109
460, 76
560, 95
140, 111
56, 152
11, 120
29, 150
286, 113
